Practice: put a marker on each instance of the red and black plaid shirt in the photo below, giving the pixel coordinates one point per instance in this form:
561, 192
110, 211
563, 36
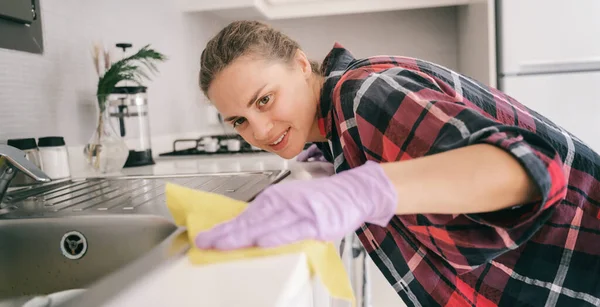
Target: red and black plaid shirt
538, 254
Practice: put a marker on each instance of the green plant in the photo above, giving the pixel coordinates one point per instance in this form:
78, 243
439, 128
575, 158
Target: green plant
133, 68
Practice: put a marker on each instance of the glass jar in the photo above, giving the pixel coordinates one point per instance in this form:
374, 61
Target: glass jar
105, 152
54, 156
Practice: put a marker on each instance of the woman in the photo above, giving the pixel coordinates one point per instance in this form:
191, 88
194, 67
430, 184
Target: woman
461, 195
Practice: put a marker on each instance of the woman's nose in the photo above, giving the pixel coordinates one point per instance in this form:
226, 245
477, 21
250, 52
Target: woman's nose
262, 127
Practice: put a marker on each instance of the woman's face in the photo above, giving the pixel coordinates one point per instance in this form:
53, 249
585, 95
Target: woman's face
271, 104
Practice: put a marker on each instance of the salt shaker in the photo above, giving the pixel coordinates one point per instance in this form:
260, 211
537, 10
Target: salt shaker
28, 146
55, 157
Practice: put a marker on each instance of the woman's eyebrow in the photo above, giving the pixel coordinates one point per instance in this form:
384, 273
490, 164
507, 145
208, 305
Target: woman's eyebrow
255, 96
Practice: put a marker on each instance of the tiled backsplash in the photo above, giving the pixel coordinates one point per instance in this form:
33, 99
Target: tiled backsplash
53, 93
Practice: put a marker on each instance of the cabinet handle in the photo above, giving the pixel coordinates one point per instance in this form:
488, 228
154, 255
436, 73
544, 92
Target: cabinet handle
559, 66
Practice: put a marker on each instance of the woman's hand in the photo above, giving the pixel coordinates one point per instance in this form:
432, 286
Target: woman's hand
323, 209
312, 153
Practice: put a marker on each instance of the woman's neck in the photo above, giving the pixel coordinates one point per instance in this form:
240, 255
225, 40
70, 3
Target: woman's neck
317, 82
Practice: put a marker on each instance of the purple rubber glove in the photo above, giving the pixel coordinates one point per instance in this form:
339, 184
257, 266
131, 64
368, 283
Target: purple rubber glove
324, 209
312, 153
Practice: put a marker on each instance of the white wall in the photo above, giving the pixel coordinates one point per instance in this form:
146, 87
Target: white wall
430, 34
52, 94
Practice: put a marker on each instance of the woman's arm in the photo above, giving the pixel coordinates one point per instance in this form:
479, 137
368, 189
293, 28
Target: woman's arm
473, 179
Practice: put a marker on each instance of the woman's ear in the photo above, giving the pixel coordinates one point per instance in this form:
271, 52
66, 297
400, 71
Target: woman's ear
303, 63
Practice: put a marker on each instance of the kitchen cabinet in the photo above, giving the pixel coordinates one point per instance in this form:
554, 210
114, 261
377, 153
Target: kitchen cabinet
564, 36
552, 65
285, 9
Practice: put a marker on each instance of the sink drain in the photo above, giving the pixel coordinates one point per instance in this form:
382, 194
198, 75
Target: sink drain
73, 245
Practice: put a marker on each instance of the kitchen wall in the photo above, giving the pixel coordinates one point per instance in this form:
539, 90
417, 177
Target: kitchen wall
430, 34
52, 94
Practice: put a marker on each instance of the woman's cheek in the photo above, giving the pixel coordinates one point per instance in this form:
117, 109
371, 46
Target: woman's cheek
247, 136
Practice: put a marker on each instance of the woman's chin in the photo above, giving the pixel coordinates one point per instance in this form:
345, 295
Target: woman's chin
291, 151
287, 154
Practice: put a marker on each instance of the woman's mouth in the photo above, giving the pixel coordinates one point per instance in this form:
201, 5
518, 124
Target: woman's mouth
281, 142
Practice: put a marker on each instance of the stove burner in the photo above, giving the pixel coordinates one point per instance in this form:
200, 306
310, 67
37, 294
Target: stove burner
221, 146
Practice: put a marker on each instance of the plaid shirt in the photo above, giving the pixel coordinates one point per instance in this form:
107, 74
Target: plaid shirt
537, 254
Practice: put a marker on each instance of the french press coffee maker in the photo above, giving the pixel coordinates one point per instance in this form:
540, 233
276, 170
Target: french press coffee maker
128, 109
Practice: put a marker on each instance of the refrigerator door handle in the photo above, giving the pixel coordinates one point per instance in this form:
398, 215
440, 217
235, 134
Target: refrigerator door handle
559, 66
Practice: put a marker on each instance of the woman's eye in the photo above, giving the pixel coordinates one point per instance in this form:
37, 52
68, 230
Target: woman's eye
264, 100
238, 122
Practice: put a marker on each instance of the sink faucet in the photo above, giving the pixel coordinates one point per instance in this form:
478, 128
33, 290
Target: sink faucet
11, 161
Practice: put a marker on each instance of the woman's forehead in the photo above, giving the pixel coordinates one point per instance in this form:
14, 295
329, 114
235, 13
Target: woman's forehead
240, 80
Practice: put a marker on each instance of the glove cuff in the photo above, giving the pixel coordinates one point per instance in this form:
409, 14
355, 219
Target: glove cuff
381, 199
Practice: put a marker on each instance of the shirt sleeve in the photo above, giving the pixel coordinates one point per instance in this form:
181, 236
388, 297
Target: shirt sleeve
395, 115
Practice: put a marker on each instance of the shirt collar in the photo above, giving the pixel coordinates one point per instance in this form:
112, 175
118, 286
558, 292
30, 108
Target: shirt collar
334, 65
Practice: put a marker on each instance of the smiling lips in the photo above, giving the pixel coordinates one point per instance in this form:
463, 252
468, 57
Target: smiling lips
281, 141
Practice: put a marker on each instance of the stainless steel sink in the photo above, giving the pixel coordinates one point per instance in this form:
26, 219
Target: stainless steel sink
100, 234
43, 256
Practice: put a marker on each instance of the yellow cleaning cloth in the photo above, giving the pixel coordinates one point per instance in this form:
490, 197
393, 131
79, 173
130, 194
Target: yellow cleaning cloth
198, 211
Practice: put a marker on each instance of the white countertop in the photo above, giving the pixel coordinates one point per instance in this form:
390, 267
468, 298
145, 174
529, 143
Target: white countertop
262, 282
268, 281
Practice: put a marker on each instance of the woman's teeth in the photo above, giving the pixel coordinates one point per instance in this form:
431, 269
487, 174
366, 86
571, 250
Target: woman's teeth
280, 138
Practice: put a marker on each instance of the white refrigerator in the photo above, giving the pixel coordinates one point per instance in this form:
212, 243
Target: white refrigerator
549, 60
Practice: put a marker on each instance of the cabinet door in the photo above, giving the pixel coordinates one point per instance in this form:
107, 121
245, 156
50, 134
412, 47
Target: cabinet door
571, 100
548, 35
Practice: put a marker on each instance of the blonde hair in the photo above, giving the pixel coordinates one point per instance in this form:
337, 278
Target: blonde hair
245, 38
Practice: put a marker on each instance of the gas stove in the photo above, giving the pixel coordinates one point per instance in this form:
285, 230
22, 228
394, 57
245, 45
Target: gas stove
212, 145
